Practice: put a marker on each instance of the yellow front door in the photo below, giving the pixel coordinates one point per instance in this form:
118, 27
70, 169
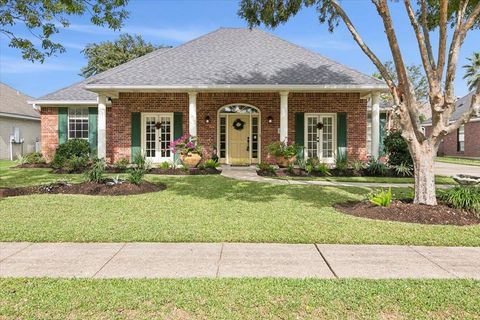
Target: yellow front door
238, 139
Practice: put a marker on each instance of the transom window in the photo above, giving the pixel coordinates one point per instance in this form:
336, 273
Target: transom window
78, 123
238, 109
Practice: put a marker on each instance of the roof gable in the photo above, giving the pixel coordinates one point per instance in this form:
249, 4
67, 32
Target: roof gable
14, 103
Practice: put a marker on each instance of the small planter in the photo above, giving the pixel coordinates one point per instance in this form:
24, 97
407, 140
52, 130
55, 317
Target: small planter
190, 160
284, 162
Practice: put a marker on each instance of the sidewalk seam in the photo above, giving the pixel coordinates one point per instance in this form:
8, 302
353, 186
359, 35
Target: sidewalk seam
219, 260
325, 259
432, 261
16, 252
103, 266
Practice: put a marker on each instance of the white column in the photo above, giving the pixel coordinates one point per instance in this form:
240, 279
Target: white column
375, 124
192, 113
284, 116
102, 127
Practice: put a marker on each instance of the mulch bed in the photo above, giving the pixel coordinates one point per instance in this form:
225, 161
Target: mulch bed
88, 188
408, 212
33, 165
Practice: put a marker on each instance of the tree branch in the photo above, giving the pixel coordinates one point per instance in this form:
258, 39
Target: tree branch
426, 33
442, 41
465, 117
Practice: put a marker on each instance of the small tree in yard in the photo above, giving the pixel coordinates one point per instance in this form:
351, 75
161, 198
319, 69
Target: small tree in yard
426, 16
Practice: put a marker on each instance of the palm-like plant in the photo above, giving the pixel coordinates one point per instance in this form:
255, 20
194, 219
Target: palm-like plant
472, 70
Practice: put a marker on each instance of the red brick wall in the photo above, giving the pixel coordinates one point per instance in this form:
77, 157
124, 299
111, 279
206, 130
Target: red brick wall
472, 144
49, 131
208, 104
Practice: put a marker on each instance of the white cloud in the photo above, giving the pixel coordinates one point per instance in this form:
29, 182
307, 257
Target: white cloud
9, 65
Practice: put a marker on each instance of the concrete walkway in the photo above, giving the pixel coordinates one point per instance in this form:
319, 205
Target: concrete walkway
450, 169
212, 260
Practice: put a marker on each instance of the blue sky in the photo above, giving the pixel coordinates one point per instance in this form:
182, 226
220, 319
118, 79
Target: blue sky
175, 22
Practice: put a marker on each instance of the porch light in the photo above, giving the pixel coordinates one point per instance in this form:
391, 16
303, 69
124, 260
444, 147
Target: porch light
270, 119
207, 119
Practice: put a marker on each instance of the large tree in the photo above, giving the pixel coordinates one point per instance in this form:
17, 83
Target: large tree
425, 17
108, 54
41, 19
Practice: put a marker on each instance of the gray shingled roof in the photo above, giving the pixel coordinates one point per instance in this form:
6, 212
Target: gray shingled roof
461, 105
14, 103
76, 92
227, 56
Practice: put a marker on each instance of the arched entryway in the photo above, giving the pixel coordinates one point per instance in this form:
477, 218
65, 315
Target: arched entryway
239, 134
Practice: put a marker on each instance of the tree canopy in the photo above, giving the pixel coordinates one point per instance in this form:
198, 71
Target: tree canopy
472, 71
44, 18
108, 54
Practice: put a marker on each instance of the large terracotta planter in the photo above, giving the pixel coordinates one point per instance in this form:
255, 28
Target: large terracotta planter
284, 162
190, 160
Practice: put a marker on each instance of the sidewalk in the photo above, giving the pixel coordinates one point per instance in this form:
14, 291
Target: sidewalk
212, 260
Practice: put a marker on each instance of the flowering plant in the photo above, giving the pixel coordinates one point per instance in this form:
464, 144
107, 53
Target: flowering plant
185, 145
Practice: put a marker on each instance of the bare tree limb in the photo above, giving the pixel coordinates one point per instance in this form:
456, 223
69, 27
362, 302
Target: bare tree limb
426, 32
465, 117
442, 41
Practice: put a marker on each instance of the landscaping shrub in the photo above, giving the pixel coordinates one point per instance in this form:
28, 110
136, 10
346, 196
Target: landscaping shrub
283, 149
121, 164
322, 169
164, 165
72, 149
381, 198
462, 197
31, 158
141, 162
263, 166
135, 175
341, 162
375, 168
95, 174
357, 165
403, 170
211, 164
75, 164
397, 149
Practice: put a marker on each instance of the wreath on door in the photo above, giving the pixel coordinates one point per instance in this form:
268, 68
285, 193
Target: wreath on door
238, 124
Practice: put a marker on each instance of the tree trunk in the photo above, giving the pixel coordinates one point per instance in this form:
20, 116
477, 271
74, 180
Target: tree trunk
423, 155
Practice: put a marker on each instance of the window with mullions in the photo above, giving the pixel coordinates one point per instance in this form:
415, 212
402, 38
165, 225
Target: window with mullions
223, 137
255, 138
461, 139
78, 123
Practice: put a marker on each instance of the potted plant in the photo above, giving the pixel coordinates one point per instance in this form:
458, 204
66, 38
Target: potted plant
189, 149
285, 154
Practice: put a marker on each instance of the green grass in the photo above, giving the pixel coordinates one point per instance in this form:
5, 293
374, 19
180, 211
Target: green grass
456, 160
438, 179
238, 299
207, 209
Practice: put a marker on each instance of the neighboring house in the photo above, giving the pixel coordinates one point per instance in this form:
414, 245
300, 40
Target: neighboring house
19, 124
237, 90
465, 141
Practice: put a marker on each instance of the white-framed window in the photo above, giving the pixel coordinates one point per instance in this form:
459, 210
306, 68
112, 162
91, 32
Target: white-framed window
77, 123
461, 138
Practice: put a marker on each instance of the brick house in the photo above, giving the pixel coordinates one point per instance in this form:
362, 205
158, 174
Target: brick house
237, 90
465, 141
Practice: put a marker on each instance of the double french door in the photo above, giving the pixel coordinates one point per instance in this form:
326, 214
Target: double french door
157, 134
320, 137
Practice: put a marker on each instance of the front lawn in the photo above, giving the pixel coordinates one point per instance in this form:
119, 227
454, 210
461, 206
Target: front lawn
207, 209
456, 160
438, 179
238, 299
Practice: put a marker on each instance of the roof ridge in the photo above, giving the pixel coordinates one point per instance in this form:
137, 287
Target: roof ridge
12, 88
316, 53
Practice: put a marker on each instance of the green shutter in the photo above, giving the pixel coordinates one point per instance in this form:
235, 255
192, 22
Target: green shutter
62, 125
177, 125
341, 134
300, 132
92, 129
383, 123
136, 134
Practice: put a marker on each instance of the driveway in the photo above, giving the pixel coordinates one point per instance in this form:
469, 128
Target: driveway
450, 169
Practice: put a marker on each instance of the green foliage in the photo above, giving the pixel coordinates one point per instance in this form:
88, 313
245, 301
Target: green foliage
290, 168
403, 170
323, 169
397, 149
357, 165
75, 164
96, 172
264, 166
109, 54
78, 148
121, 164
165, 165
31, 158
462, 197
283, 149
375, 168
211, 164
44, 18
135, 175
341, 162
141, 162
472, 71
381, 198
